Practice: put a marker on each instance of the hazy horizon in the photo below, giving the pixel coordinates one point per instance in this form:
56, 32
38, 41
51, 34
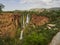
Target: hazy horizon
11, 5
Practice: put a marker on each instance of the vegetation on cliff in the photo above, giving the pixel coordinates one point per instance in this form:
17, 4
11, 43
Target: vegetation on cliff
35, 34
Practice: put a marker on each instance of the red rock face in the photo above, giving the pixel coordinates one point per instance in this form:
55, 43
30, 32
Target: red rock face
8, 25
39, 20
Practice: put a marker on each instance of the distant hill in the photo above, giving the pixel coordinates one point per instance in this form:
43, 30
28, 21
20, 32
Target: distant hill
42, 9
37, 9
54, 8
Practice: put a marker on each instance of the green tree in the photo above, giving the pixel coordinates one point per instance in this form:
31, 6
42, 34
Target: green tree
1, 7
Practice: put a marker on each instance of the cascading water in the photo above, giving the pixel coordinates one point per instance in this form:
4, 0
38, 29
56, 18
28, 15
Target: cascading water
23, 22
23, 26
21, 35
27, 19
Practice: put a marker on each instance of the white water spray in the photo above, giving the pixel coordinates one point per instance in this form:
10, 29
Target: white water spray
21, 35
27, 19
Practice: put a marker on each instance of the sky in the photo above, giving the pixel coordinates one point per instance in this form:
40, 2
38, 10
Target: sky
28, 4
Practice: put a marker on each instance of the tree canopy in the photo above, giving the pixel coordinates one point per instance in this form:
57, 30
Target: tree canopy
1, 7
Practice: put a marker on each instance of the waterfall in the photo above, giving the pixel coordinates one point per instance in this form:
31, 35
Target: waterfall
27, 19
56, 39
23, 26
21, 35
23, 22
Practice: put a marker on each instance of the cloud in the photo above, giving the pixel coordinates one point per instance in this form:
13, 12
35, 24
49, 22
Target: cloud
29, 1
27, 4
41, 3
36, 1
47, 1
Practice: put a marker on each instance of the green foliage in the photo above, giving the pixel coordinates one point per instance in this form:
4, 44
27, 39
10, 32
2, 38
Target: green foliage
1, 6
34, 35
38, 36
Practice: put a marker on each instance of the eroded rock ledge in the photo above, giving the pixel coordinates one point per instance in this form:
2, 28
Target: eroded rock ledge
8, 24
